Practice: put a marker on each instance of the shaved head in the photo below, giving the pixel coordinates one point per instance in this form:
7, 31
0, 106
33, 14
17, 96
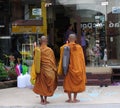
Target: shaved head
43, 39
72, 37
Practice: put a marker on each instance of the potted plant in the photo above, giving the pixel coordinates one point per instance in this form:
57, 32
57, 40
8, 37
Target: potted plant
3, 72
11, 71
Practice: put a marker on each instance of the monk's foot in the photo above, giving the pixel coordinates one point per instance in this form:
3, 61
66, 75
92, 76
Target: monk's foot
46, 102
42, 102
69, 101
76, 101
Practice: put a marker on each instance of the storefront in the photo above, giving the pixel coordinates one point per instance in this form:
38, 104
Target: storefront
28, 25
24, 35
96, 23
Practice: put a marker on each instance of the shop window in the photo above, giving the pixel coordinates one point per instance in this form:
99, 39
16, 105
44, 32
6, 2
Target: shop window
34, 12
100, 28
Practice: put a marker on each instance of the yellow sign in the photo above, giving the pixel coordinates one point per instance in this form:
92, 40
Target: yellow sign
44, 15
26, 29
33, 29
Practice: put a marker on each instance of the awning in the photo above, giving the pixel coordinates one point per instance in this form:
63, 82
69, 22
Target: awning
27, 23
27, 27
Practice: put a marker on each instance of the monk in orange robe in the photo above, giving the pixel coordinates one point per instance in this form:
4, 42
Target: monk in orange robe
75, 79
46, 81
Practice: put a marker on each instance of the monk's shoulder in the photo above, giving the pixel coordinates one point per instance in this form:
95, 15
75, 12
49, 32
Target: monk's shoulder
78, 46
63, 46
49, 49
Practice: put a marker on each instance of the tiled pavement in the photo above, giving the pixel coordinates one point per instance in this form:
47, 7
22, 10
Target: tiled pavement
93, 97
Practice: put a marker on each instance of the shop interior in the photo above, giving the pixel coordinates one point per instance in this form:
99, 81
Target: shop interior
92, 31
93, 28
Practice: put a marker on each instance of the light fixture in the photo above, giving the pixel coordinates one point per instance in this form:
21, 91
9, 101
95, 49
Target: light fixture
104, 3
99, 25
48, 4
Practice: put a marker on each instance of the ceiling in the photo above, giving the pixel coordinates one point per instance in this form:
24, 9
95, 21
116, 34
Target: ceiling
68, 2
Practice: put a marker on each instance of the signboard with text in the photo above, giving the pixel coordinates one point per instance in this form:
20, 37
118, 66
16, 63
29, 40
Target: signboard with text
26, 29
116, 10
36, 11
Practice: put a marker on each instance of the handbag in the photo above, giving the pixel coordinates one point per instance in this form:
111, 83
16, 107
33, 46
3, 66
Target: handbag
66, 59
37, 59
33, 74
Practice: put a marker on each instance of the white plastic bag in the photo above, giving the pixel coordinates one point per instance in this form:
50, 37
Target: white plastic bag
21, 83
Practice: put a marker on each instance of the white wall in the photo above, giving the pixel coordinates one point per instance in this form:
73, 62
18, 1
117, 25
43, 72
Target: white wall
68, 2
92, 5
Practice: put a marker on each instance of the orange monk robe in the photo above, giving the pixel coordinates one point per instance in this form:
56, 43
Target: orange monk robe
75, 79
46, 81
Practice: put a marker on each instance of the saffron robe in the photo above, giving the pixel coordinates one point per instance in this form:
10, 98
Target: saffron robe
46, 81
75, 78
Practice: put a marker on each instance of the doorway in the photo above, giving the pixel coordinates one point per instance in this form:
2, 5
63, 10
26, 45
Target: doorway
89, 26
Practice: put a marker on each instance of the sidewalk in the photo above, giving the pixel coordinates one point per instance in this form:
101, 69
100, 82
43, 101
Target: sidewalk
93, 97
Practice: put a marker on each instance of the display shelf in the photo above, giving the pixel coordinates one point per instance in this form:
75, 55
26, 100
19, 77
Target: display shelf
27, 51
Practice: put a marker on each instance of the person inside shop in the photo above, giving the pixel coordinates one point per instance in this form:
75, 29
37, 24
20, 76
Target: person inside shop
83, 39
68, 32
75, 78
83, 42
46, 81
97, 53
89, 55
105, 58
